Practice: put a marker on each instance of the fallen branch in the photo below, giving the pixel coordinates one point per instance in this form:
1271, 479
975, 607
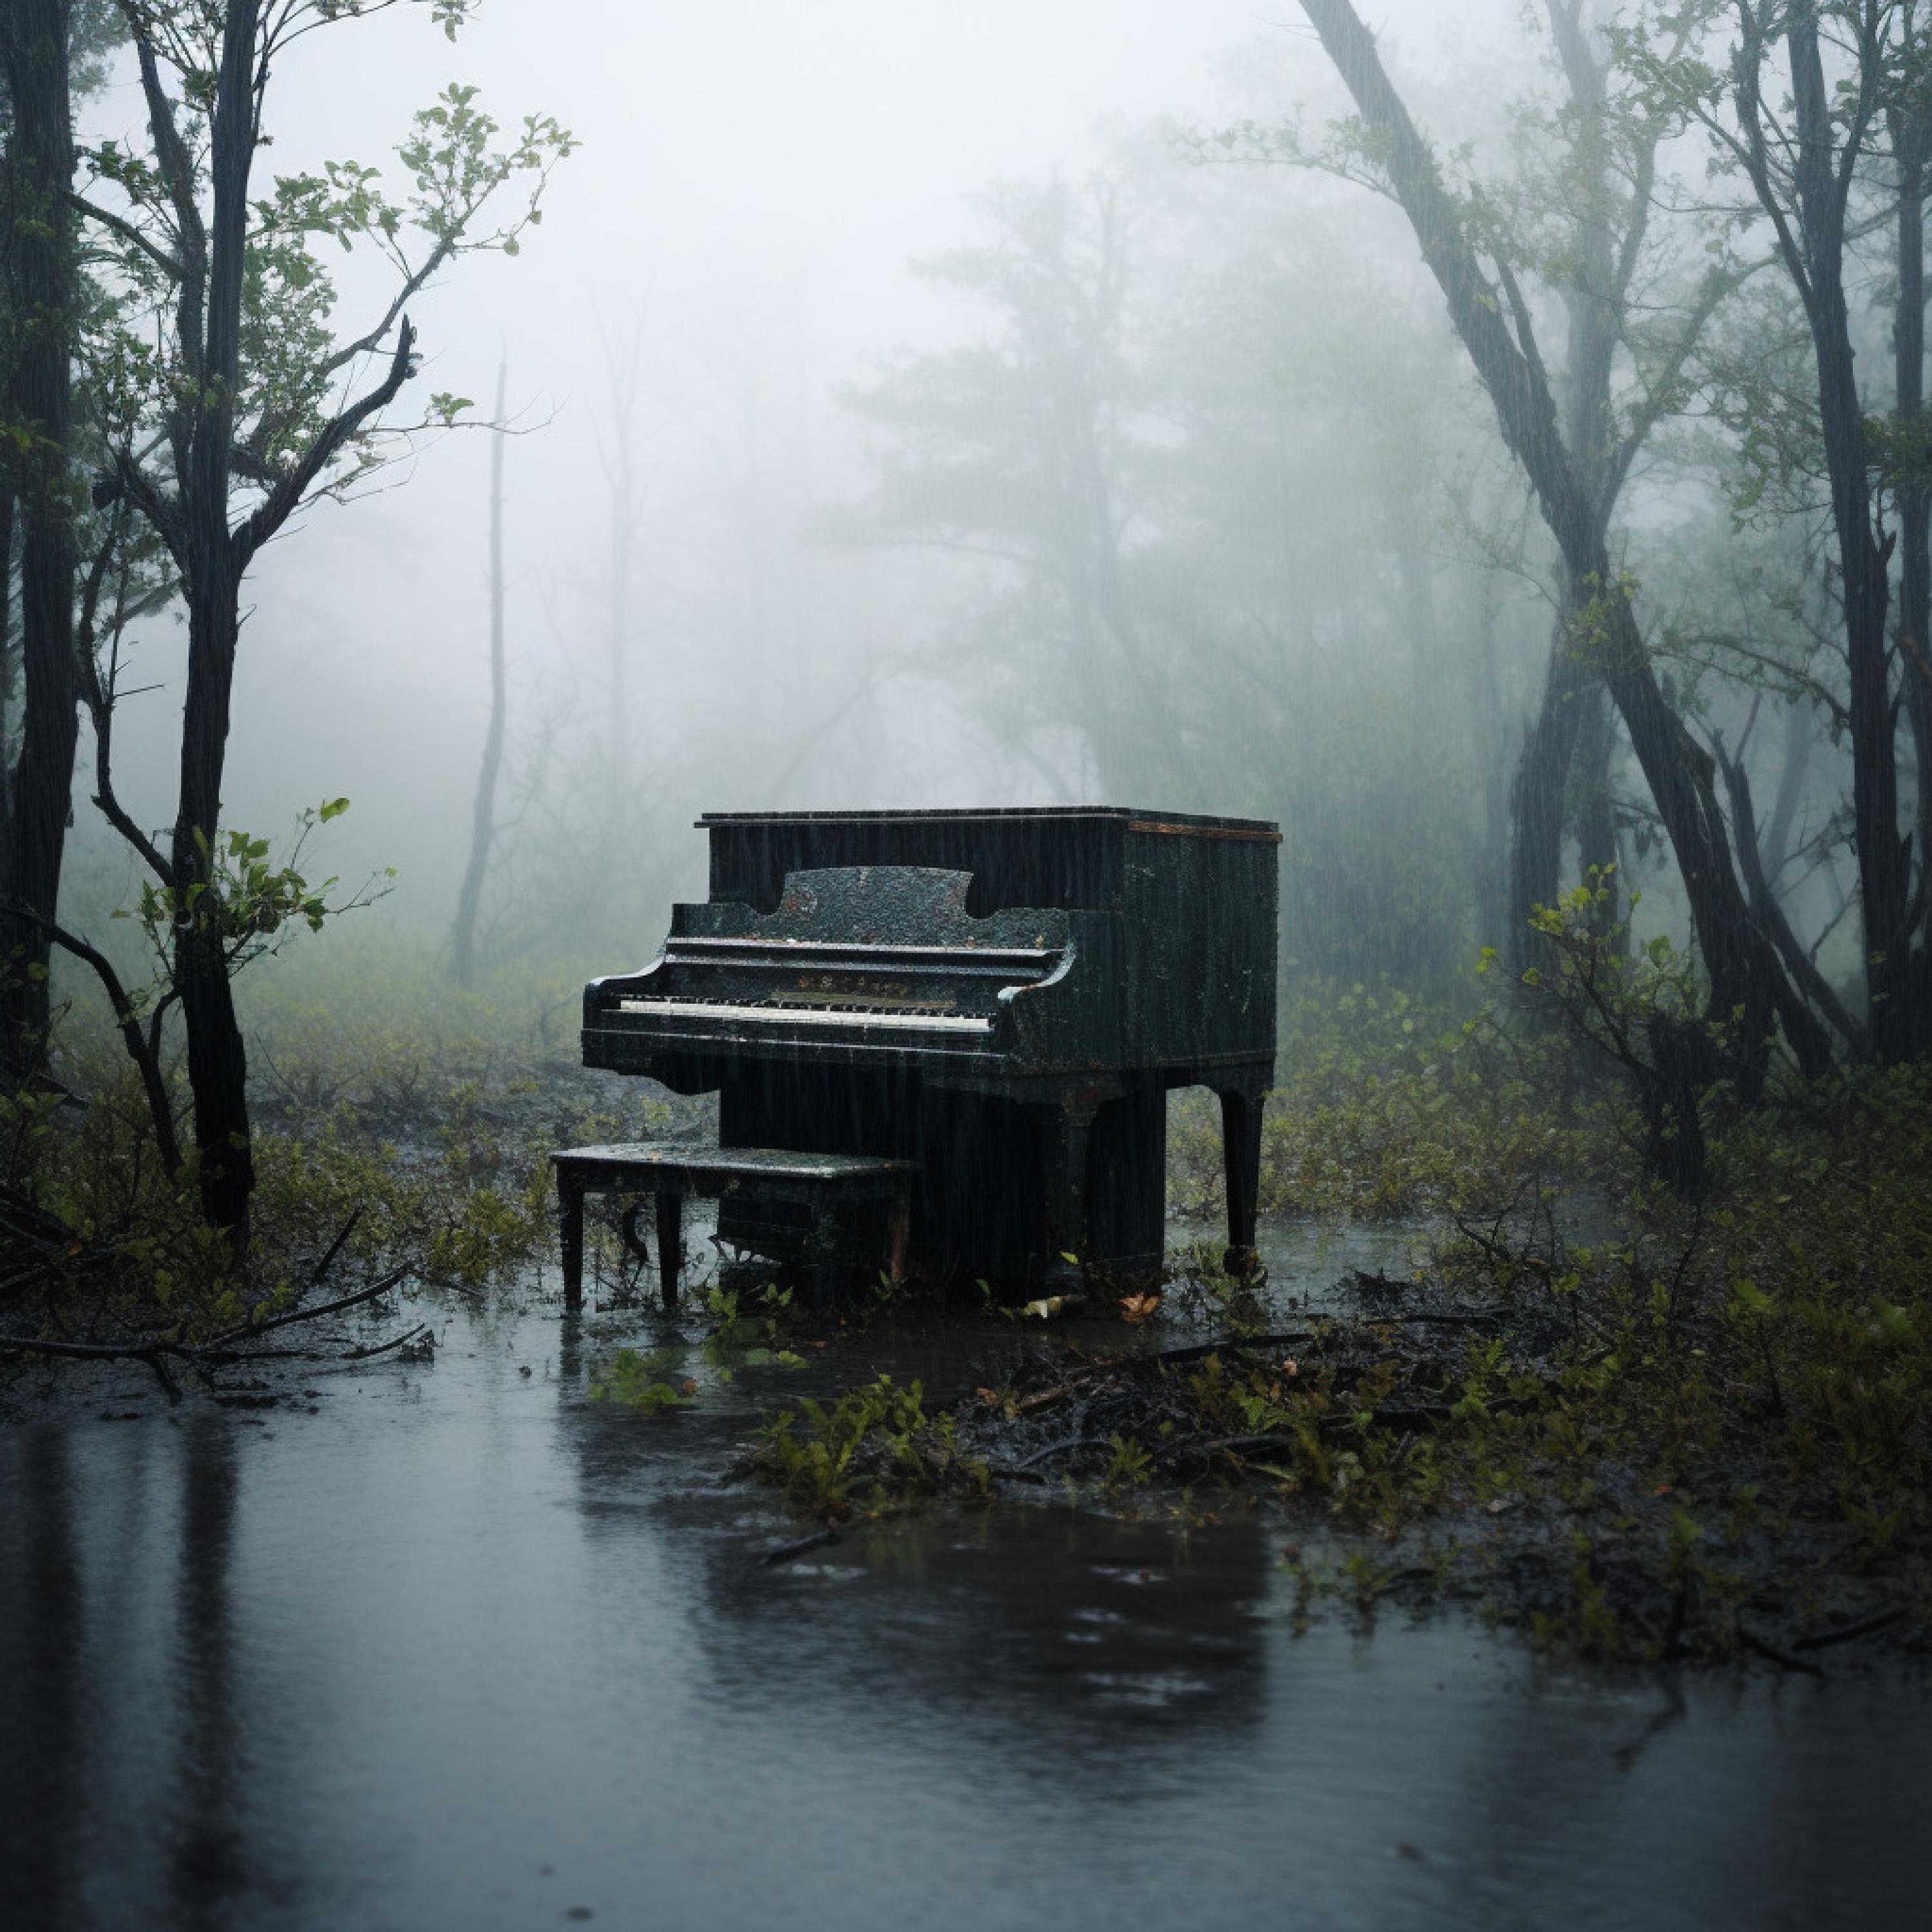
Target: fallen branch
785, 1552
217, 1349
322, 1267
102, 1351
1055, 1449
248, 1330
1850, 1632
382, 1348
1772, 1654
1200, 1351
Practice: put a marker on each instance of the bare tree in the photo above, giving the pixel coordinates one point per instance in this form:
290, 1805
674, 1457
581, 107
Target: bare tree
483, 816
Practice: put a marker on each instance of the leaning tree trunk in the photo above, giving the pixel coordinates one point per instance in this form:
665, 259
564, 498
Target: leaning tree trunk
34, 43
483, 816
1746, 974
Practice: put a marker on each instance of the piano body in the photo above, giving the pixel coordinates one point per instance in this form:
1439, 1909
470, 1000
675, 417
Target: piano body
1004, 997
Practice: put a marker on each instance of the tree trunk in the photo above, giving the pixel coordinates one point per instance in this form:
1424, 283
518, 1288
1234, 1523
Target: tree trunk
1539, 794
1800, 733
211, 561
483, 818
1488, 733
7, 526
34, 43
1912, 146
1884, 858
1745, 972
1595, 804
218, 1061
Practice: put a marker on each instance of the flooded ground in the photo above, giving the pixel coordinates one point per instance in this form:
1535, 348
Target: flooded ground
446, 1645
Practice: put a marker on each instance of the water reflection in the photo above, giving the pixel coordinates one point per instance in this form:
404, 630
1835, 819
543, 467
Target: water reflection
206, 1859
41, 1775
459, 1649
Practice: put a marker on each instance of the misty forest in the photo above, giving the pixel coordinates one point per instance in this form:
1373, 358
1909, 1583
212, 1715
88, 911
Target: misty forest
965, 963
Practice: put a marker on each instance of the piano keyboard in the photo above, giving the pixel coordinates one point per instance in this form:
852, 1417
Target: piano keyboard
900, 1019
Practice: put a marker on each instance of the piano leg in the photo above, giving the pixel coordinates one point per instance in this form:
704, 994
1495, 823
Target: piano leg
570, 1220
1241, 1152
898, 1232
1068, 1131
822, 1256
670, 1243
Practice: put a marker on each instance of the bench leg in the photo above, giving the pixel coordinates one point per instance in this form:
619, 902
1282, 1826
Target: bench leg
670, 1243
897, 1232
570, 1219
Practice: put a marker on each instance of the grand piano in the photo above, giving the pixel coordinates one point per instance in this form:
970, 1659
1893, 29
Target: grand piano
1005, 997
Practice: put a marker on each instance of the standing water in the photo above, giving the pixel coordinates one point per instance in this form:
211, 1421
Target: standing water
452, 1646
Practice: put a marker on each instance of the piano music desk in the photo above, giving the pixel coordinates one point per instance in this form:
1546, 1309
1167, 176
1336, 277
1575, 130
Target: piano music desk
668, 1171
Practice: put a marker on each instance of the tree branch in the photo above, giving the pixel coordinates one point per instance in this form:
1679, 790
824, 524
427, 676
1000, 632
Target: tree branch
169, 265
128, 1022
296, 482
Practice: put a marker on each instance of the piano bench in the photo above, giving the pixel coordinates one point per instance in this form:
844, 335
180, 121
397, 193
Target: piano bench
668, 1171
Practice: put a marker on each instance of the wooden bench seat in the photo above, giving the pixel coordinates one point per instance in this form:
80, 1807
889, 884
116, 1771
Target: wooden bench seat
668, 1171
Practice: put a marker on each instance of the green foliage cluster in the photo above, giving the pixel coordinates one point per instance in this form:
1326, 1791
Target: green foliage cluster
741, 1331
1388, 1105
649, 1382
1714, 1422
871, 1450
417, 1118
136, 1256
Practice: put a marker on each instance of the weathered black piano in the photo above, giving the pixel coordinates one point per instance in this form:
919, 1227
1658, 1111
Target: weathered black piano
1004, 997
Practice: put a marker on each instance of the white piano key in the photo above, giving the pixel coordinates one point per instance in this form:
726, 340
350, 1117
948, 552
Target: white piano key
803, 1015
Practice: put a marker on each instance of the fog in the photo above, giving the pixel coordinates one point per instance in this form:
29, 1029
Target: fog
733, 242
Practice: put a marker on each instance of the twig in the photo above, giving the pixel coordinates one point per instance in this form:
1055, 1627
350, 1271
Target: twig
1475, 1318
1772, 1654
785, 1552
106, 1352
383, 1348
248, 1330
1055, 1449
1238, 1446
1200, 1351
1012, 1472
322, 1267
1846, 1633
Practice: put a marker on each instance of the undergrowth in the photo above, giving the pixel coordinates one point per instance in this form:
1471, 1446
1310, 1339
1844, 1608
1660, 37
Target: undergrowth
1387, 1106
1705, 1430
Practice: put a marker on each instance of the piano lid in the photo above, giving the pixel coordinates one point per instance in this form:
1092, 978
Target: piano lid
1075, 856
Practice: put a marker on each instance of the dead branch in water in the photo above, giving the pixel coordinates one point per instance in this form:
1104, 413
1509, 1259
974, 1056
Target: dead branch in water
218, 1349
